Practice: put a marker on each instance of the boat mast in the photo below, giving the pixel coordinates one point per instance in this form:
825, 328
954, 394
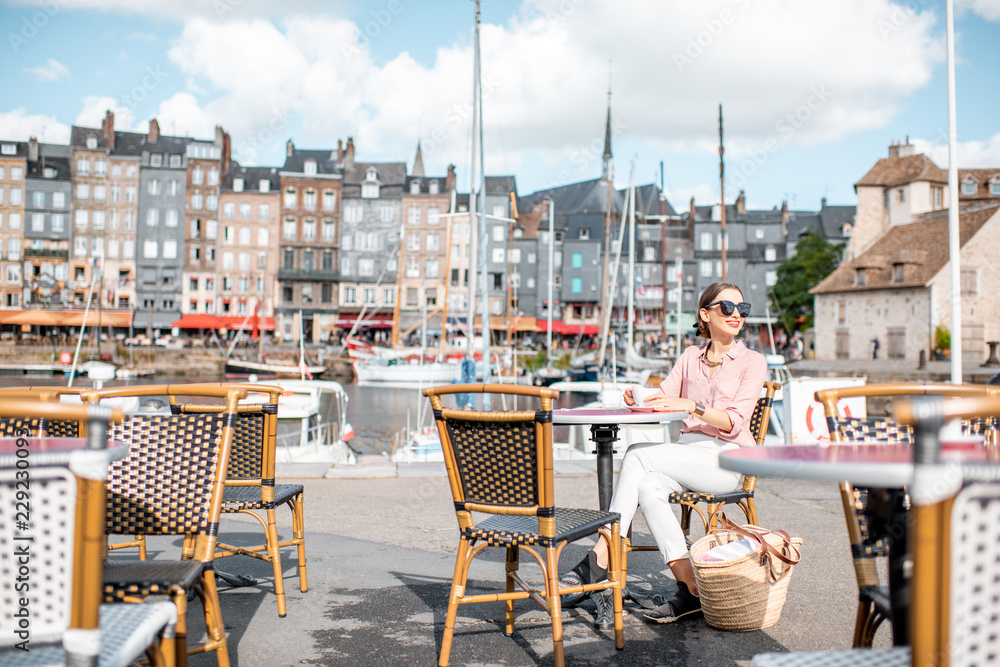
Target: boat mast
607, 174
473, 235
548, 338
722, 198
484, 293
394, 342
83, 326
443, 342
630, 325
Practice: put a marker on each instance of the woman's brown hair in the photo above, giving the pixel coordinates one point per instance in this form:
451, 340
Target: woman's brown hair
707, 297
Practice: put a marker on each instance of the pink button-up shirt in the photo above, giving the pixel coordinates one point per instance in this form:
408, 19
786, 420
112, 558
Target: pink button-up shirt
735, 388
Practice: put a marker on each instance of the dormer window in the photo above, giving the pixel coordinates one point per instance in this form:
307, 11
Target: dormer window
414, 187
50, 172
370, 186
995, 186
859, 277
237, 185
434, 188
898, 272
584, 233
969, 188
91, 142
846, 230
310, 167
265, 185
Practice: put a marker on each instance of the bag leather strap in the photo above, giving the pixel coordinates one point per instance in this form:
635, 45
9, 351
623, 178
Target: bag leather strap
788, 554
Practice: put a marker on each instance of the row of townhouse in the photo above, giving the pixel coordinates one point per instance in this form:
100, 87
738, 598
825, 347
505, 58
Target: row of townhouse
189, 238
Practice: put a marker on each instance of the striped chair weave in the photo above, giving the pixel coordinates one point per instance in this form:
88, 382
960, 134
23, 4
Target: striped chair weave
245, 457
496, 461
870, 429
54, 428
509, 530
15, 426
164, 486
239, 498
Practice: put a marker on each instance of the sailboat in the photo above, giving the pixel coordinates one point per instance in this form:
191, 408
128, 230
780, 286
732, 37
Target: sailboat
267, 368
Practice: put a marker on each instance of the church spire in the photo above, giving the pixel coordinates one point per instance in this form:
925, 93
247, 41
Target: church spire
418, 162
606, 170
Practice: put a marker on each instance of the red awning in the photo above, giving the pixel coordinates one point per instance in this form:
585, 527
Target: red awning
373, 321
198, 321
234, 322
558, 326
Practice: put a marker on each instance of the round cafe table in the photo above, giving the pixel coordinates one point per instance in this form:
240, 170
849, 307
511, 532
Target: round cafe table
604, 425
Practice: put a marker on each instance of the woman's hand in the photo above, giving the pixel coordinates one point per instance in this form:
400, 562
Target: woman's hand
627, 396
663, 403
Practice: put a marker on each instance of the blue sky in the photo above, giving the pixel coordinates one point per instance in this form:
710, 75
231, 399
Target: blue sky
813, 92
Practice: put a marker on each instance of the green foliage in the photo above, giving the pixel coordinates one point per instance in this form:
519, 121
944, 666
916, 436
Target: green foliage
942, 338
815, 258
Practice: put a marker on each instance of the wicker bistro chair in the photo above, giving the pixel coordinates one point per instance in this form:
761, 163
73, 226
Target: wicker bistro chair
172, 484
867, 511
500, 464
62, 496
743, 497
54, 427
250, 486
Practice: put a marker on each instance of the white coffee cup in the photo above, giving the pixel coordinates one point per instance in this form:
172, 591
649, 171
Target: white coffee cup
640, 394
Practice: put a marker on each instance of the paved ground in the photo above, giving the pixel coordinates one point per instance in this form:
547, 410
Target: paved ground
380, 558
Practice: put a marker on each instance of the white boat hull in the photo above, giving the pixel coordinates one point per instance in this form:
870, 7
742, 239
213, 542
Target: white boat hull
434, 373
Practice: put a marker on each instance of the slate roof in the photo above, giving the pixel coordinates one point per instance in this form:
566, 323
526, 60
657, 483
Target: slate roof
803, 223
78, 137
252, 176
922, 247
389, 173
982, 177
583, 197
501, 185
22, 149
326, 161
129, 143
425, 184
51, 156
647, 201
833, 219
892, 171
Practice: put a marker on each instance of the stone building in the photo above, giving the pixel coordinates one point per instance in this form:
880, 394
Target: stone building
90, 150
306, 302
46, 224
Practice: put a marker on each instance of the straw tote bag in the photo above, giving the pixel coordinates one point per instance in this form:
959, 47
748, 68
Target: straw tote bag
748, 592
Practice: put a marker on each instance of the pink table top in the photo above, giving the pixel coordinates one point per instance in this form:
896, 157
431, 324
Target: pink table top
62, 451
865, 464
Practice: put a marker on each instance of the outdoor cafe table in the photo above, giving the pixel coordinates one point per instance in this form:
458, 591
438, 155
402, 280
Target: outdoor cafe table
604, 425
878, 465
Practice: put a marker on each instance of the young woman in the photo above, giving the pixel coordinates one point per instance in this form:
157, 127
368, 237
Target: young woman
718, 385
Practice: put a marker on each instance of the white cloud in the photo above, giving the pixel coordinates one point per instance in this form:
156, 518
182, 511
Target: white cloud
783, 70
988, 9
180, 115
183, 9
53, 70
971, 154
95, 106
17, 125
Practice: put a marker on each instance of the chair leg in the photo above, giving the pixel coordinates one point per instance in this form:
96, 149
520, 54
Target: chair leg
214, 626
616, 569
713, 521
141, 539
750, 509
686, 520
863, 636
457, 590
180, 633
513, 555
555, 603
299, 534
274, 555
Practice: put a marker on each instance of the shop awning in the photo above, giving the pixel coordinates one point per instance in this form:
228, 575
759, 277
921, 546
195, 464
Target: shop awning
68, 318
522, 323
198, 321
235, 322
558, 326
372, 321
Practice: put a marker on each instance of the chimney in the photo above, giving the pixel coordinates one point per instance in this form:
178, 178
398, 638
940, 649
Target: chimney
691, 214
289, 148
784, 210
33, 149
340, 152
907, 149
741, 203
449, 181
894, 150
822, 203
154, 131
108, 128
219, 136
349, 153
227, 153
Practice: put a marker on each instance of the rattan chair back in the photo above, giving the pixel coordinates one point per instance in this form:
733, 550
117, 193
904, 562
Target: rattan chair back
55, 427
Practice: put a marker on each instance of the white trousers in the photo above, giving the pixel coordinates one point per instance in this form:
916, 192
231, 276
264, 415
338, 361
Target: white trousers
650, 472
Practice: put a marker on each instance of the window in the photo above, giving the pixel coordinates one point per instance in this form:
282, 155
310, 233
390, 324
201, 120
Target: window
58, 222
152, 217
649, 254
499, 211
350, 295
329, 201
97, 222
213, 176
433, 215
369, 190
58, 200
898, 272
83, 165
172, 217
412, 268
328, 231
345, 265
705, 268
82, 192
156, 160
585, 233
369, 241
413, 215
326, 293
841, 312
498, 233
244, 261
310, 200
197, 201
198, 176
770, 278
577, 285
170, 249
245, 211
263, 212
577, 260
262, 236
352, 214
229, 210
132, 171
38, 199
770, 255
287, 292
705, 240
130, 192
970, 281
414, 187
154, 186
969, 188
758, 233
212, 202
366, 267
289, 259
434, 187
37, 222
995, 187
308, 230
227, 260
128, 249
937, 192
498, 255
81, 219
13, 273
193, 284
411, 296
150, 249
262, 260
842, 345
432, 268
385, 214
237, 185
432, 243
244, 236
113, 248
16, 173
328, 261
290, 198
369, 296
289, 229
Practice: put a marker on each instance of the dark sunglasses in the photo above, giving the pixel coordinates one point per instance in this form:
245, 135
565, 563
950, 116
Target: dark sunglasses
727, 307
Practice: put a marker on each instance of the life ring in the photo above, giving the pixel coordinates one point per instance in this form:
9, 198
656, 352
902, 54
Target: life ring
809, 415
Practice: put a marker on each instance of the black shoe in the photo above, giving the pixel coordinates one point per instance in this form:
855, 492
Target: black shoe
587, 571
682, 604
605, 609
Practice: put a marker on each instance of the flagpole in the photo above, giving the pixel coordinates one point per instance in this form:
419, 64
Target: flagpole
954, 241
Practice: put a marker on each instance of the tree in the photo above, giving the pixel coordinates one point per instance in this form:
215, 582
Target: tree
815, 258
